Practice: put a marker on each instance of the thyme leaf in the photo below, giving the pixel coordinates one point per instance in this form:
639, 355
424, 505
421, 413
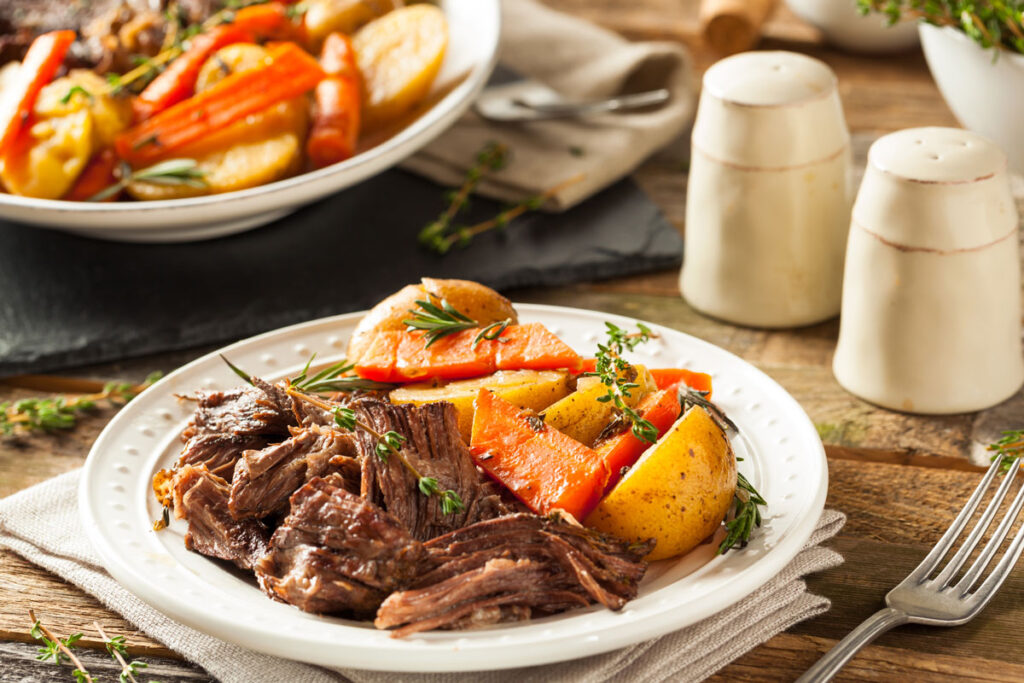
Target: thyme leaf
617, 375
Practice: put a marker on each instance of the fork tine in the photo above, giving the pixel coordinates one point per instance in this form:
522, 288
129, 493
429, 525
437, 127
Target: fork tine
958, 560
946, 542
989, 587
971, 576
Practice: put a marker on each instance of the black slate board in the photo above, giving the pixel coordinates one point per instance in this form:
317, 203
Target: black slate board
67, 300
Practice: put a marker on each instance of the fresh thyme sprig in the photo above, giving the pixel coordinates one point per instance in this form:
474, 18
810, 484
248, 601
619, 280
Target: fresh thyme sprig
389, 443
335, 378
1009, 447
76, 90
118, 651
58, 649
492, 157
440, 320
169, 172
442, 242
744, 516
989, 23
60, 412
617, 375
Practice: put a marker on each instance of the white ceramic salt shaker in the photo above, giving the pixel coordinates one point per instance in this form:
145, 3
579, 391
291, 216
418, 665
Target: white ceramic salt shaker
932, 293
768, 196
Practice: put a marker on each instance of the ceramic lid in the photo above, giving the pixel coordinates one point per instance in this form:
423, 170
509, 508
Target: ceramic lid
937, 155
769, 78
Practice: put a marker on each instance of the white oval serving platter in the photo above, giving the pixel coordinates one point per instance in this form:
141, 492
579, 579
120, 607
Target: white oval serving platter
782, 456
473, 32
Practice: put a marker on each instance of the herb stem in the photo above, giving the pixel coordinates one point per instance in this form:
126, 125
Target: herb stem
60, 645
127, 670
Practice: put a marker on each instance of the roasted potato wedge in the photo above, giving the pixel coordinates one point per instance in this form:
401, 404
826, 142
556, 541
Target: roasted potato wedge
324, 17
480, 303
583, 417
399, 55
677, 493
527, 389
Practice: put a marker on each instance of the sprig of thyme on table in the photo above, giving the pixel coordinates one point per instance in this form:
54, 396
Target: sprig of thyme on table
614, 372
1009, 447
59, 650
989, 23
389, 443
442, 319
169, 172
61, 412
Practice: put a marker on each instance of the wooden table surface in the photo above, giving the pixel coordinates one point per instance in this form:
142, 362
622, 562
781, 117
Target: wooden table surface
899, 478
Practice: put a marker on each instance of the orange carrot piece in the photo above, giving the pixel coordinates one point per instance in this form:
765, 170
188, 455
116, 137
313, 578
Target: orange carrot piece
338, 104
178, 81
269, 21
41, 62
401, 356
660, 408
290, 73
667, 377
543, 467
97, 176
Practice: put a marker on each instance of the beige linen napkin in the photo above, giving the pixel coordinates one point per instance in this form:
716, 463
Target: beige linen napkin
579, 61
42, 525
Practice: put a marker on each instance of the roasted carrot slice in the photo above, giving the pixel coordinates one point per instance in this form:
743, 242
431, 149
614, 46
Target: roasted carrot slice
543, 467
290, 72
41, 62
269, 21
660, 408
667, 377
97, 176
338, 102
401, 356
178, 80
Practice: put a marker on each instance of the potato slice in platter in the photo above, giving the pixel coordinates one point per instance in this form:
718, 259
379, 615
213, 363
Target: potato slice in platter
677, 493
527, 389
583, 417
399, 55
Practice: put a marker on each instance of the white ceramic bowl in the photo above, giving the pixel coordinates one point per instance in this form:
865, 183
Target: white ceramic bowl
472, 53
984, 88
843, 26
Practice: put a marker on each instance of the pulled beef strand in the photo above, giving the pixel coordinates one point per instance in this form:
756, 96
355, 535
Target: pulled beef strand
261, 410
517, 561
336, 553
264, 480
435, 448
219, 452
201, 498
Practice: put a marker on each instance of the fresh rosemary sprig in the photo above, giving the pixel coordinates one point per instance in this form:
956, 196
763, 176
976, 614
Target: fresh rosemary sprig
169, 172
442, 242
389, 443
492, 157
58, 649
744, 516
615, 373
335, 378
60, 412
440, 320
1009, 447
990, 23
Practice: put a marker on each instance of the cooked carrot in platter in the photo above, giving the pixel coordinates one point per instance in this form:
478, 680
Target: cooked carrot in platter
96, 177
289, 72
41, 62
338, 100
177, 82
667, 377
543, 467
402, 356
661, 409
270, 21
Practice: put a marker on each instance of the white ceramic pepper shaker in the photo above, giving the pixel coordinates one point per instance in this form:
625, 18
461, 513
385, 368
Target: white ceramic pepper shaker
932, 292
768, 196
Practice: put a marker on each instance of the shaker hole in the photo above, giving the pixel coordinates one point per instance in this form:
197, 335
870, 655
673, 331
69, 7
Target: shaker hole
934, 157
777, 67
918, 142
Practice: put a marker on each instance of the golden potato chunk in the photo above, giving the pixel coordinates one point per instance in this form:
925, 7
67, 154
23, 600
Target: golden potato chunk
399, 55
324, 17
583, 417
677, 493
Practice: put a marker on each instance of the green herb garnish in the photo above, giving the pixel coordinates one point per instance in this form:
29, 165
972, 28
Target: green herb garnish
76, 89
335, 378
617, 375
990, 23
744, 516
438, 321
169, 172
1009, 448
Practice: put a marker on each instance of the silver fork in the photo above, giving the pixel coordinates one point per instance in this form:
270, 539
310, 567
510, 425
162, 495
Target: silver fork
935, 602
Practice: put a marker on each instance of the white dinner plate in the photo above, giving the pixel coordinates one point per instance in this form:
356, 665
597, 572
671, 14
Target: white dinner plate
473, 31
783, 457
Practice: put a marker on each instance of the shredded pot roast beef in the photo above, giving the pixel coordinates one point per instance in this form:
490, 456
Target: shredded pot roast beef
331, 527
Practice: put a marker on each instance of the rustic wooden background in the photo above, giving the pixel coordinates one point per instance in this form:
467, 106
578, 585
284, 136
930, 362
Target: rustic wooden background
899, 478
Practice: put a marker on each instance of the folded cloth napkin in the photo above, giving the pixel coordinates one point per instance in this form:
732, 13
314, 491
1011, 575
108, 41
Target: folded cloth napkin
42, 525
578, 61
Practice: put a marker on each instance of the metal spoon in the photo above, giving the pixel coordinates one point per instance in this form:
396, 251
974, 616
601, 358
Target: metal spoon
513, 109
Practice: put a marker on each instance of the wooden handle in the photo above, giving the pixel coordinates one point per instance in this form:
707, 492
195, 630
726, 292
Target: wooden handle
731, 26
